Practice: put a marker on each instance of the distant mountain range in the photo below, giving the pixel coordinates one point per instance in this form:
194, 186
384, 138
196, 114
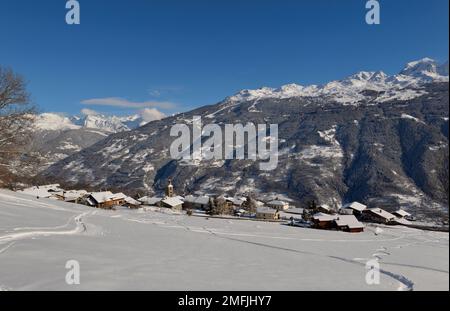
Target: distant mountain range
378, 139
58, 136
361, 86
108, 124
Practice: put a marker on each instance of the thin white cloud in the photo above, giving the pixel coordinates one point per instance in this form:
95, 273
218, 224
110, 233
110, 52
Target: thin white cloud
124, 103
151, 114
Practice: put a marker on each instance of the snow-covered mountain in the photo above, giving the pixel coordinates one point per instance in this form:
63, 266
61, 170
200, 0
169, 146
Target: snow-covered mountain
374, 138
58, 136
109, 124
357, 88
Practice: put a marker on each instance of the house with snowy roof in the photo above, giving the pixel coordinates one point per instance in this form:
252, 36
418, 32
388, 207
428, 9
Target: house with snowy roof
401, 213
325, 208
172, 203
151, 201
267, 213
356, 207
105, 199
194, 202
378, 215
324, 221
237, 203
74, 196
278, 205
132, 203
349, 223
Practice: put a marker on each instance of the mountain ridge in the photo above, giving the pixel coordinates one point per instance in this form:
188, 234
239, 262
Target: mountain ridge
387, 153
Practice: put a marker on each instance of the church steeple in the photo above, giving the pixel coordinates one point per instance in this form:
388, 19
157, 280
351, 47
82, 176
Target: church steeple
169, 189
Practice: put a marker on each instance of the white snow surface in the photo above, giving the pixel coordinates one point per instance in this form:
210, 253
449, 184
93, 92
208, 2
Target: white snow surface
151, 250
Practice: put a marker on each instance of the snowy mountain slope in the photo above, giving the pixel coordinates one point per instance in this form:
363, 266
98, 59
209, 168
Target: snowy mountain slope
403, 86
140, 250
55, 145
391, 152
54, 122
112, 124
58, 136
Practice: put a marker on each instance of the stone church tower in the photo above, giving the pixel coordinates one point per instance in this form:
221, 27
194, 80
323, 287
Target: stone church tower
169, 189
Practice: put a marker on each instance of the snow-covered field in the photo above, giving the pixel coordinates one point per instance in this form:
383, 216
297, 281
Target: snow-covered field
137, 250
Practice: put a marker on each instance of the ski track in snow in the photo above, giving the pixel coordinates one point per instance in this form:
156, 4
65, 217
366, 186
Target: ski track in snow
79, 228
175, 222
405, 284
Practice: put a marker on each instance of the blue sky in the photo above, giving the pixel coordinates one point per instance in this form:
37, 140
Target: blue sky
184, 54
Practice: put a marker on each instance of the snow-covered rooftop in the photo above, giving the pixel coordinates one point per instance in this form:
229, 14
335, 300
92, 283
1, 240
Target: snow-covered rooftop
349, 221
266, 210
102, 197
402, 213
355, 206
150, 200
382, 213
172, 201
277, 203
324, 217
132, 201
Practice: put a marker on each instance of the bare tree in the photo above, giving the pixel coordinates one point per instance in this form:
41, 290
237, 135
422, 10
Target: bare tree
16, 120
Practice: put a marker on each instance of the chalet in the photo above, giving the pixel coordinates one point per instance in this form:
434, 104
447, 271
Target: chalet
346, 211
236, 202
324, 208
74, 196
193, 202
278, 205
172, 203
132, 203
357, 208
151, 201
324, 221
378, 215
267, 213
348, 223
402, 214
106, 199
